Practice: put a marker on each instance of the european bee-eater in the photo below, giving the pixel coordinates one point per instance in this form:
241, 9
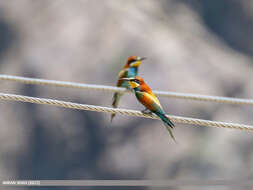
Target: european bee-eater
129, 70
145, 96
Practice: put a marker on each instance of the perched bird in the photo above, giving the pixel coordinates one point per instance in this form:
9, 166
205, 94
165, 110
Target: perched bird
145, 96
129, 70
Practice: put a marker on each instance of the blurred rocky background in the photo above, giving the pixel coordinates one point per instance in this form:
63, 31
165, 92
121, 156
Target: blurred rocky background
203, 47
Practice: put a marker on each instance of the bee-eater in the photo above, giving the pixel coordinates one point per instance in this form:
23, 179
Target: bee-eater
129, 70
146, 97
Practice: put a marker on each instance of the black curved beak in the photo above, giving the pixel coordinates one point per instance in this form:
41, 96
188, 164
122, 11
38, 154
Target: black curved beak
142, 58
126, 79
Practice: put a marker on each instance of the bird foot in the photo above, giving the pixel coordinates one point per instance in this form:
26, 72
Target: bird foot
130, 89
146, 111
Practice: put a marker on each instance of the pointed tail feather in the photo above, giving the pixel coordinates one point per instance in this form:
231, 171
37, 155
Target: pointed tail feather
168, 124
115, 102
170, 131
112, 116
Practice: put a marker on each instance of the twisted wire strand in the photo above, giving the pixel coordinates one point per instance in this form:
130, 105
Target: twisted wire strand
71, 105
189, 96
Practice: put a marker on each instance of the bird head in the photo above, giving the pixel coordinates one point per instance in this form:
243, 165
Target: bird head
134, 61
134, 82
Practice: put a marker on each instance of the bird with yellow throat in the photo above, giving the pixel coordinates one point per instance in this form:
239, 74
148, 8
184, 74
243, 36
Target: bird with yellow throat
147, 98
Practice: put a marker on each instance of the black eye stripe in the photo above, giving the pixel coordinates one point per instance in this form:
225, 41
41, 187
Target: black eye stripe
135, 80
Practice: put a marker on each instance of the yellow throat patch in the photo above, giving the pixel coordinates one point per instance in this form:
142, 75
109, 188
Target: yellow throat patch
133, 84
136, 64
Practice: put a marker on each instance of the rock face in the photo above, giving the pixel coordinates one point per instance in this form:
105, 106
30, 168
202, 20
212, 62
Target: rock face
188, 50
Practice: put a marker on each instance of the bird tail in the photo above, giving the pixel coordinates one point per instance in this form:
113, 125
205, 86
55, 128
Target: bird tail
168, 124
115, 102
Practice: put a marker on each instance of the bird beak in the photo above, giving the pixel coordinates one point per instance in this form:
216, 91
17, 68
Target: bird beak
125, 79
142, 58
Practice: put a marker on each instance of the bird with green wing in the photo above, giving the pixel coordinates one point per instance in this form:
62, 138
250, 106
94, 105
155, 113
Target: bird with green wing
146, 97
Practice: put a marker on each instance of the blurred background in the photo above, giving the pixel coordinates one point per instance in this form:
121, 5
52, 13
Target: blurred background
203, 47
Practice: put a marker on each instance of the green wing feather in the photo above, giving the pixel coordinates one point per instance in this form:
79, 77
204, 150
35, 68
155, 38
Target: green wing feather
116, 96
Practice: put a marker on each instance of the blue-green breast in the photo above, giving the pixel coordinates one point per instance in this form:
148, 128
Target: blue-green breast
132, 72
